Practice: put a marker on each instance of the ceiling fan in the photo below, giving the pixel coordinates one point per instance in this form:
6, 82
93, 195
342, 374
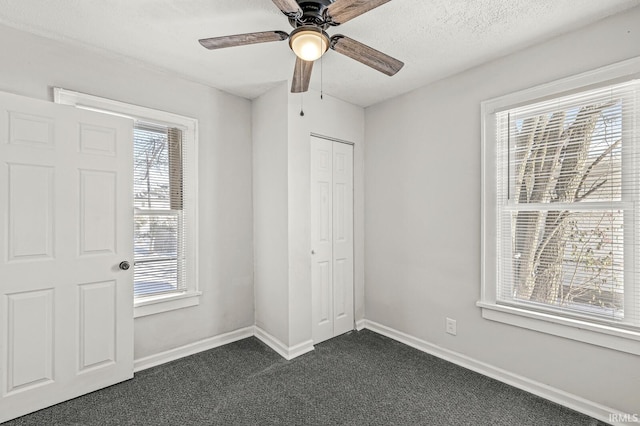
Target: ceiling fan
309, 41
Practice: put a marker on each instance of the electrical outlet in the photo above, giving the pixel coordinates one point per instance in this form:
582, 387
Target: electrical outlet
451, 326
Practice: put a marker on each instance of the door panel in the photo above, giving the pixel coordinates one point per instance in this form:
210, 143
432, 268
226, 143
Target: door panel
340, 289
30, 218
97, 140
66, 319
97, 325
30, 339
324, 296
31, 130
97, 212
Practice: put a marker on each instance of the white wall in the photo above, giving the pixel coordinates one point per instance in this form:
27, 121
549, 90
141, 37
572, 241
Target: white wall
422, 219
282, 233
270, 213
32, 65
337, 119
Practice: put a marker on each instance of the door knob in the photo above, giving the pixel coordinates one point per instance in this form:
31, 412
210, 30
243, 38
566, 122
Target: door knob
124, 265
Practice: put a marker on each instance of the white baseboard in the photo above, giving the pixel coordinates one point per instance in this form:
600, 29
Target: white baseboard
272, 342
283, 350
566, 399
300, 349
191, 348
360, 324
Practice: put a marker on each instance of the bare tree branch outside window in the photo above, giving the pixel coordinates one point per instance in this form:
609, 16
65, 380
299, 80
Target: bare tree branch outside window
563, 256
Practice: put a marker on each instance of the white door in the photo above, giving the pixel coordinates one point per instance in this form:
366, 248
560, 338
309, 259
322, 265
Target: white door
331, 238
66, 319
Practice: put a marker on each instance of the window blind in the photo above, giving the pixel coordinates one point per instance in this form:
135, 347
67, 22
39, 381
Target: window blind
568, 216
159, 219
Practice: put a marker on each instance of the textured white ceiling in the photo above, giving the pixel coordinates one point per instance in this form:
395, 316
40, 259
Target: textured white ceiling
434, 38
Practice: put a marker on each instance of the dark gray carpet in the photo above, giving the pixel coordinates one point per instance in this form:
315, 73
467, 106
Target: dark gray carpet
360, 378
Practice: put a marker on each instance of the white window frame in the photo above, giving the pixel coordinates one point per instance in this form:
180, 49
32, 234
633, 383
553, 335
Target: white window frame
620, 339
189, 126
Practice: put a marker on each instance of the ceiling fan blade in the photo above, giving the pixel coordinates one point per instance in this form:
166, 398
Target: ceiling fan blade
289, 7
365, 54
301, 76
342, 11
243, 39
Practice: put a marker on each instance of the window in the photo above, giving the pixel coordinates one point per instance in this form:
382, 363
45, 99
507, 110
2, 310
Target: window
562, 188
164, 193
158, 217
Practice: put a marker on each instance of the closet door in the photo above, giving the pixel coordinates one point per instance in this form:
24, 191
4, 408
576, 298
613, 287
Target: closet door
331, 238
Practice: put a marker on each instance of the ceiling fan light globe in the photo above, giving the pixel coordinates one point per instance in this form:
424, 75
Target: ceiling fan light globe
309, 44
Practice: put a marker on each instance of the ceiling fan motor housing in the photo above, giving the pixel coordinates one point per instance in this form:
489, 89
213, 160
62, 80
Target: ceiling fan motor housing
312, 14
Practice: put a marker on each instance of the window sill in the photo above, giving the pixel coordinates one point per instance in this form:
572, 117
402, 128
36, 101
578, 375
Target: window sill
600, 335
159, 304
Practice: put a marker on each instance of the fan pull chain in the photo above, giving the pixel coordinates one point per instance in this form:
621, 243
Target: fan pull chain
321, 78
301, 104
